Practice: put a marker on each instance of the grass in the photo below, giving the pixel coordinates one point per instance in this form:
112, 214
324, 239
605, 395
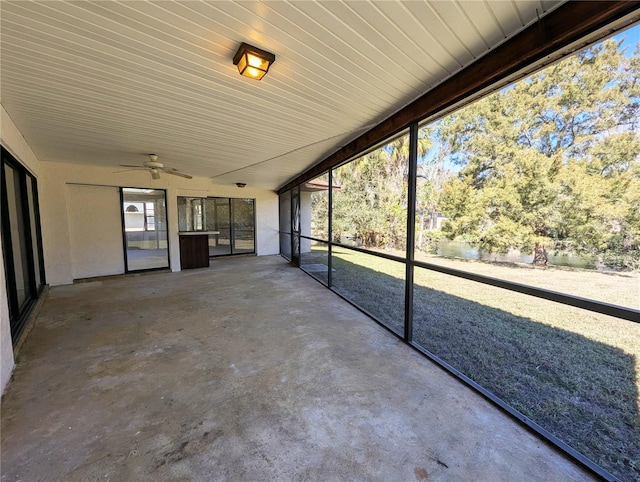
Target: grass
575, 373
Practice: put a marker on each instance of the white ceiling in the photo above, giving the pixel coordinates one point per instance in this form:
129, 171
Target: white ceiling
106, 82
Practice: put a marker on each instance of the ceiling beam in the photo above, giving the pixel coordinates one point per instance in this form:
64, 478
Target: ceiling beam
566, 25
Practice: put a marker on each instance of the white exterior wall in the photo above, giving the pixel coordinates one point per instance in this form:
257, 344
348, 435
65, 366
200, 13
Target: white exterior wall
6, 347
12, 140
95, 231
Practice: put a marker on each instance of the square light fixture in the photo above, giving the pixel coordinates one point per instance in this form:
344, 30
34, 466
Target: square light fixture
252, 61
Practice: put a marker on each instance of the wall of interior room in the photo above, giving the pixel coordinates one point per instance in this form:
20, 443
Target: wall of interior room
57, 192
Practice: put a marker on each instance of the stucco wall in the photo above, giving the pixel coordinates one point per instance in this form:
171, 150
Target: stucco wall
95, 231
6, 347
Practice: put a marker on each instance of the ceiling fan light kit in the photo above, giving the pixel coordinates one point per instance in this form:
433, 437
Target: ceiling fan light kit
153, 163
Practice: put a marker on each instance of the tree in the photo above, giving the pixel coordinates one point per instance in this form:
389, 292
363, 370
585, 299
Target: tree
371, 203
552, 159
431, 178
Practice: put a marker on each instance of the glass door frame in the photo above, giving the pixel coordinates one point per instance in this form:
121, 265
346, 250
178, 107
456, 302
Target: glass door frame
232, 233
229, 204
233, 219
124, 234
33, 250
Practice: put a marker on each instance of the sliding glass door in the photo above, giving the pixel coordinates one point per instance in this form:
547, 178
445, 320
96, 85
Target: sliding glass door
219, 221
243, 226
228, 222
145, 229
21, 241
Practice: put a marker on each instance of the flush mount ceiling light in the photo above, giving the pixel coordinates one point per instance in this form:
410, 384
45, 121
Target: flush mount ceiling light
252, 61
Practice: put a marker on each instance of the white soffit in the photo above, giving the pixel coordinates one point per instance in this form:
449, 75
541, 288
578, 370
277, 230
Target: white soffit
107, 82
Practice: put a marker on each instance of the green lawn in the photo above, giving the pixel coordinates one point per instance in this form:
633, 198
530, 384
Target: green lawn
575, 373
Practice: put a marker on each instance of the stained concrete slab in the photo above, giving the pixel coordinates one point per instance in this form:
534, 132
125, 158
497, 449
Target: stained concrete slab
248, 370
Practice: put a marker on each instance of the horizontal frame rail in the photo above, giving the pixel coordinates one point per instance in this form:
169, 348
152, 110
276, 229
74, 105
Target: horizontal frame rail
585, 303
601, 307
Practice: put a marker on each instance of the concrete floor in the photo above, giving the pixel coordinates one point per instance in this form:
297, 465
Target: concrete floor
248, 370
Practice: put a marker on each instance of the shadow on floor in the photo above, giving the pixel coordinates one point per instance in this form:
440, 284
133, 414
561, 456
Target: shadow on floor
582, 391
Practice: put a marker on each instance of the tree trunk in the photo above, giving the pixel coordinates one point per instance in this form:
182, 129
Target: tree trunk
540, 255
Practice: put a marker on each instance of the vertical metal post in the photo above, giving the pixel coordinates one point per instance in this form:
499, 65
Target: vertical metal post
36, 203
28, 236
295, 226
232, 231
124, 230
330, 230
165, 221
411, 231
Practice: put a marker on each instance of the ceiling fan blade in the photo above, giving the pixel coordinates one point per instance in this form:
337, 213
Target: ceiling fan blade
155, 174
177, 173
129, 170
129, 165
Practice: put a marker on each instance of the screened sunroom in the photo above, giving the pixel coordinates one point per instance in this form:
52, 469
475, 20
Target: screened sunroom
463, 176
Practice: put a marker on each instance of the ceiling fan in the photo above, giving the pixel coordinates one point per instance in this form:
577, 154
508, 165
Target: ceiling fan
155, 168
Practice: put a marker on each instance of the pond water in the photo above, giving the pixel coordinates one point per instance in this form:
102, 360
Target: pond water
459, 249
